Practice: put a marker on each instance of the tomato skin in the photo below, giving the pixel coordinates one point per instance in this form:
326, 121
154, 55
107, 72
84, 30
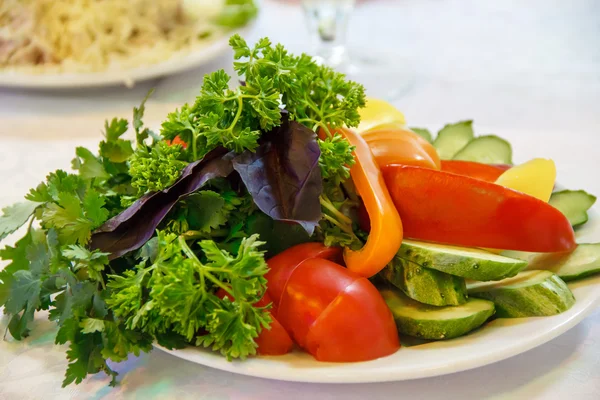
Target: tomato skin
274, 341
283, 264
177, 140
401, 146
357, 326
484, 172
311, 288
448, 208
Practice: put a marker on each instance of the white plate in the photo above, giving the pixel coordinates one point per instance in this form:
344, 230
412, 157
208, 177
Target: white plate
495, 341
177, 63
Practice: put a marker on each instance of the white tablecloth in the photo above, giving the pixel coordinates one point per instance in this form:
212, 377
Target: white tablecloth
527, 70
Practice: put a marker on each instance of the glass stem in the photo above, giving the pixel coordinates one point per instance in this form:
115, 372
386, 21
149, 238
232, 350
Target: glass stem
328, 22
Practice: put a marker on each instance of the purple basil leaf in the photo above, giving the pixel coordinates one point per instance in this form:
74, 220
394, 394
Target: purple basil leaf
135, 226
283, 175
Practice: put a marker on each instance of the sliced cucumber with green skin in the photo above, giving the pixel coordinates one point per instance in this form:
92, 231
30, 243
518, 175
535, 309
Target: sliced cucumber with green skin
476, 264
453, 137
488, 149
430, 322
424, 133
425, 285
573, 204
580, 263
529, 294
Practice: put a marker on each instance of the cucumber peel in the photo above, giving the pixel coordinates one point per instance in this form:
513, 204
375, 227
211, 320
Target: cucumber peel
476, 264
430, 322
529, 294
489, 149
453, 137
425, 285
580, 263
574, 204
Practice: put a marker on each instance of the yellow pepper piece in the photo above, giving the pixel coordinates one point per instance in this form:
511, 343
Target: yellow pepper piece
535, 177
378, 112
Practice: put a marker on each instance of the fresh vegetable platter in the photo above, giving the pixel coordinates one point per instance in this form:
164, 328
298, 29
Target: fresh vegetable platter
285, 226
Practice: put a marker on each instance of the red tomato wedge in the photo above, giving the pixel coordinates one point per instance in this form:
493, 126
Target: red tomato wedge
283, 264
484, 172
312, 286
335, 314
448, 208
274, 341
357, 326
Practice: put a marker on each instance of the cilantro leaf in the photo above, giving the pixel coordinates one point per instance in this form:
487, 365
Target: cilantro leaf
67, 218
206, 211
26, 286
22, 302
115, 149
141, 133
93, 205
18, 257
73, 219
92, 263
57, 182
15, 216
88, 165
114, 129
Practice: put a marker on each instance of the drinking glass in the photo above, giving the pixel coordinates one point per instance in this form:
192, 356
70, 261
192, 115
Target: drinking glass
384, 76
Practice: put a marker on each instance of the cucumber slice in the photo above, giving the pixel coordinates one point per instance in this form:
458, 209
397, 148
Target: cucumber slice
424, 133
488, 149
430, 322
581, 263
425, 285
476, 264
573, 204
529, 294
453, 137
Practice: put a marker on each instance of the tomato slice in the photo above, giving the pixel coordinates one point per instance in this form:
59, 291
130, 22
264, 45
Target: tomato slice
454, 209
283, 264
273, 341
484, 172
311, 287
356, 326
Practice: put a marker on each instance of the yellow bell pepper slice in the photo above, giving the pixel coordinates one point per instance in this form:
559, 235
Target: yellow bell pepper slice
535, 177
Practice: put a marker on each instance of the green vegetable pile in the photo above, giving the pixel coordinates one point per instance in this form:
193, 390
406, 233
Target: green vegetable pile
132, 247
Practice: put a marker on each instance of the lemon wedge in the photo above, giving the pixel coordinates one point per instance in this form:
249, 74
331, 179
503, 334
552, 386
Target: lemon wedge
377, 113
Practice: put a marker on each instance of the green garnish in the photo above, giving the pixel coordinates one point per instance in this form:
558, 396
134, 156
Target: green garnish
142, 241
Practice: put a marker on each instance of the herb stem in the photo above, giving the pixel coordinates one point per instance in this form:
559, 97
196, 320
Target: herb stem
325, 202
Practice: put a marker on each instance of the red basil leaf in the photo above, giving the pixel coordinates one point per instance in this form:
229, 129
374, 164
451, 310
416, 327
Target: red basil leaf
283, 175
135, 226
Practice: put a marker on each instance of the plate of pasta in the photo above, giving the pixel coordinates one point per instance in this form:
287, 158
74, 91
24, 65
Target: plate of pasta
56, 44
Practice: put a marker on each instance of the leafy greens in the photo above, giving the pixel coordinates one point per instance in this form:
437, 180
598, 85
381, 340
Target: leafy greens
133, 247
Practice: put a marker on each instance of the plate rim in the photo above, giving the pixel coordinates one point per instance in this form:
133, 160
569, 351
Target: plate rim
129, 77
216, 361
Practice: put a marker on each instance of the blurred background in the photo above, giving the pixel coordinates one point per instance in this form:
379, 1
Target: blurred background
532, 64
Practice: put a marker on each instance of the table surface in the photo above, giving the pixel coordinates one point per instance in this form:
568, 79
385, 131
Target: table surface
528, 70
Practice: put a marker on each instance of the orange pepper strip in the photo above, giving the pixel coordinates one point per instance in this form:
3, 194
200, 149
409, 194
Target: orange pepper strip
401, 146
386, 227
